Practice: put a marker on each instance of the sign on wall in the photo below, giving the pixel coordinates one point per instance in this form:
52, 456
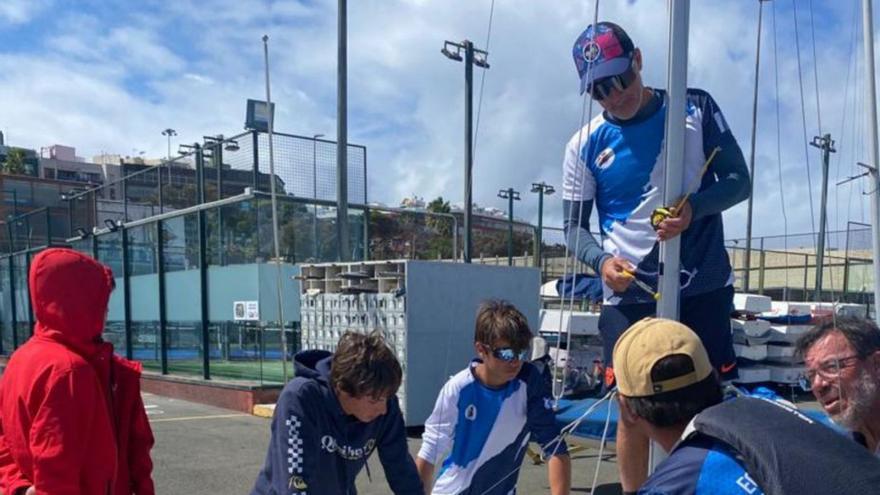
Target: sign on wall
246, 310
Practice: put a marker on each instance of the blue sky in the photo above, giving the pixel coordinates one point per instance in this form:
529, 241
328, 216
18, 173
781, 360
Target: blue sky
110, 75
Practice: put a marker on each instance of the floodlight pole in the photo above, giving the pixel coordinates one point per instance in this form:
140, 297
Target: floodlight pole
315, 194
510, 195
541, 188
748, 259
275, 211
342, 230
472, 56
826, 144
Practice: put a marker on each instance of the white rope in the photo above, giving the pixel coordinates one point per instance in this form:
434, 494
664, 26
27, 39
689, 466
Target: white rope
483, 77
599, 458
804, 121
586, 109
779, 154
564, 433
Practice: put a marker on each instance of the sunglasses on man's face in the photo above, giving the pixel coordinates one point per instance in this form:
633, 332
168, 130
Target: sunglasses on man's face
509, 354
602, 88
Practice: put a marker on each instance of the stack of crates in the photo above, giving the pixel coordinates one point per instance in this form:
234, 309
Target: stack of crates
332, 305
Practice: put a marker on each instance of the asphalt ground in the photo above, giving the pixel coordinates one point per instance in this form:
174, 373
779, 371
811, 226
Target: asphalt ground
203, 449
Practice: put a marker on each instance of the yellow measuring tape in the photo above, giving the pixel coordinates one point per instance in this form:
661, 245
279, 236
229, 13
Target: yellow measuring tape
664, 212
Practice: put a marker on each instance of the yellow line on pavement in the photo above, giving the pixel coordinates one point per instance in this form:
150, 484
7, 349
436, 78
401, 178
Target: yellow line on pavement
190, 418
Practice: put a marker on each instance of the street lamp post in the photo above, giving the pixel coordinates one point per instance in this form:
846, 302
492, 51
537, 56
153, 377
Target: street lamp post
541, 188
315, 194
510, 195
472, 56
167, 133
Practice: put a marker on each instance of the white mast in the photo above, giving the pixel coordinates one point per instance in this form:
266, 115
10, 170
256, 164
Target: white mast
871, 99
676, 87
676, 84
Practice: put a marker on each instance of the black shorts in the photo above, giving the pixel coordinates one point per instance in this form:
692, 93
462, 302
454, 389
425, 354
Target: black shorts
708, 315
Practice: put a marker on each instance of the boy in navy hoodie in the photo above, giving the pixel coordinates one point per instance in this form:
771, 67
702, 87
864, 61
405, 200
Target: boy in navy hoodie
330, 418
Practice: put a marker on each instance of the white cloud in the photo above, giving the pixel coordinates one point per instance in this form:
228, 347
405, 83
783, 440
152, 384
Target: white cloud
113, 86
21, 11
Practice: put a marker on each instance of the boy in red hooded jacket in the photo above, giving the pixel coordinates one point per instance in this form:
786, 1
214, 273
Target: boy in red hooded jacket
71, 417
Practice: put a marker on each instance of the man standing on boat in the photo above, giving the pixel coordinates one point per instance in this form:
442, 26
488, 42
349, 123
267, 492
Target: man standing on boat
617, 161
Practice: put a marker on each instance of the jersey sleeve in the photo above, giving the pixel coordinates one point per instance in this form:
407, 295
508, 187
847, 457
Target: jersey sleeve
578, 183
440, 426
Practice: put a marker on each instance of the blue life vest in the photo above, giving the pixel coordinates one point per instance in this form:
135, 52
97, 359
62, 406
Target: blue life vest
787, 452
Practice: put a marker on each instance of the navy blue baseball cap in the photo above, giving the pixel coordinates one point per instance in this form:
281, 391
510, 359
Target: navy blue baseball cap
602, 52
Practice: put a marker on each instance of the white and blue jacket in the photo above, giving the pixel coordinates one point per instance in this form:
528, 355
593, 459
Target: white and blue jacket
621, 165
482, 432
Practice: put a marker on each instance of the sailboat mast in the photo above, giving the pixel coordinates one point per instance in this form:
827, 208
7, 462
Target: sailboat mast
676, 84
871, 100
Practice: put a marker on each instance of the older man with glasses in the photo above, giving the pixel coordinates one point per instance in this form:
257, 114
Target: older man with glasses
842, 358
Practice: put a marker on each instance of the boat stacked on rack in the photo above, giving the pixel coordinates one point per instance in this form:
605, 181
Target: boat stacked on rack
765, 333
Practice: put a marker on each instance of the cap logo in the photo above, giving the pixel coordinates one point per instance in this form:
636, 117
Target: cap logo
592, 51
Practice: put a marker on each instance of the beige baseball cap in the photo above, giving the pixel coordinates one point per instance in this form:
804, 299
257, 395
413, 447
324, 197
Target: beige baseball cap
647, 342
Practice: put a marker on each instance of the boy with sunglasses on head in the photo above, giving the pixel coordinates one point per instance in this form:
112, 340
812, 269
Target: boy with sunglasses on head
617, 161
486, 413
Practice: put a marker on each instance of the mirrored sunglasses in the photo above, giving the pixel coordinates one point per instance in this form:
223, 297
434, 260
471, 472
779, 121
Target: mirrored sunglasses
602, 88
508, 354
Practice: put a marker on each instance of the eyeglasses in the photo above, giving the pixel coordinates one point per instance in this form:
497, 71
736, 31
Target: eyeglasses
508, 354
831, 368
601, 89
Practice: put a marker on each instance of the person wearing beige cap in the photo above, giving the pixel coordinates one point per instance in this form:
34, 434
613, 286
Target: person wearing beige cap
669, 391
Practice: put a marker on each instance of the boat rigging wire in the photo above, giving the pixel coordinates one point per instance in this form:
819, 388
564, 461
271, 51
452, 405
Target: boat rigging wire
779, 152
570, 264
804, 121
483, 78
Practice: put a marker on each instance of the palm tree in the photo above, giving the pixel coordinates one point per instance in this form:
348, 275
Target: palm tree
14, 163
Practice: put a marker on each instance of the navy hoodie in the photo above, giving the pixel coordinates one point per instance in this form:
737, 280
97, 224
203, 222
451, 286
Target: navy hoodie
317, 449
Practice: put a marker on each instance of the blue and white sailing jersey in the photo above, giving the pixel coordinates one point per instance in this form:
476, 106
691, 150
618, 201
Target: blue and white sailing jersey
483, 432
621, 166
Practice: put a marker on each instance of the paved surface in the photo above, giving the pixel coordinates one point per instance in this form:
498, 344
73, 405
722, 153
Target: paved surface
204, 449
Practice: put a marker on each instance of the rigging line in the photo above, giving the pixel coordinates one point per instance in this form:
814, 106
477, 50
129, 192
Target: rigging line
483, 78
804, 120
601, 449
856, 129
843, 119
586, 109
856, 114
842, 123
779, 150
557, 441
815, 68
446, 375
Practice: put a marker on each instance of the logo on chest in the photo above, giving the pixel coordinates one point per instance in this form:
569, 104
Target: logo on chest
470, 413
347, 452
605, 159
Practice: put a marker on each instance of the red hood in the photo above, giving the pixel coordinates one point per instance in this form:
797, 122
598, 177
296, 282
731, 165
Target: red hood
69, 293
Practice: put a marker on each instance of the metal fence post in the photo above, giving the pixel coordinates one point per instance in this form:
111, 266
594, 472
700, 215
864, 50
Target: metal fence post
160, 272
12, 310
806, 269
256, 150
126, 294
